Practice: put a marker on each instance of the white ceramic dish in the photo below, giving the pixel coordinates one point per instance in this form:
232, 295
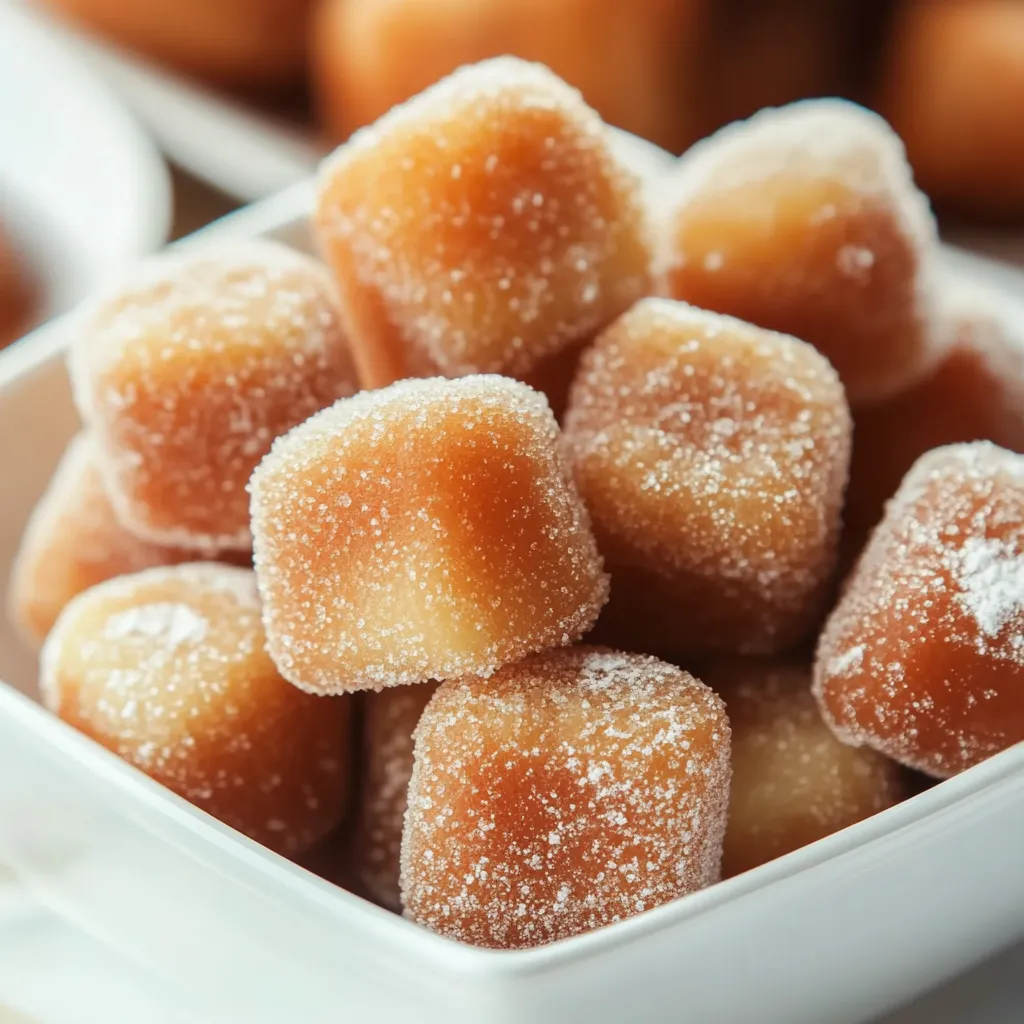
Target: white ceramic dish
839, 931
81, 185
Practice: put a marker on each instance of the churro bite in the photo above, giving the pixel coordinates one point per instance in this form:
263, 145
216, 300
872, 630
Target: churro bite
168, 669
389, 719
255, 45
975, 394
186, 374
481, 227
952, 84
805, 220
424, 531
19, 292
923, 658
793, 782
573, 789
712, 456
630, 61
74, 541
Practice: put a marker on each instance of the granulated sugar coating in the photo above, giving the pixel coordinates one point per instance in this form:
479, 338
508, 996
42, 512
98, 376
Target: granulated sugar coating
74, 541
480, 227
923, 658
189, 371
793, 782
975, 394
573, 789
805, 220
712, 456
167, 668
424, 531
388, 720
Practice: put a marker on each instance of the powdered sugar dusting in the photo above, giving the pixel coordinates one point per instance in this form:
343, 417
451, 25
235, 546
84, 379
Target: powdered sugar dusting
427, 530
571, 790
712, 456
935, 610
992, 578
482, 226
171, 624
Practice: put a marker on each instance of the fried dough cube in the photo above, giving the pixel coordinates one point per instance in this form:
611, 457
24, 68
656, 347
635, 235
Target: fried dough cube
805, 220
573, 789
168, 669
423, 531
793, 782
923, 657
481, 227
975, 394
388, 721
632, 62
186, 373
712, 456
74, 541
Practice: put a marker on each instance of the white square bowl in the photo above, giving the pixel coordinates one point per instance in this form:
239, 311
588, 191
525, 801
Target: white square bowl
840, 930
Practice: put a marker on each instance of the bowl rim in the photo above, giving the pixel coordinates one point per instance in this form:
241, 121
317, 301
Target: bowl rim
277, 215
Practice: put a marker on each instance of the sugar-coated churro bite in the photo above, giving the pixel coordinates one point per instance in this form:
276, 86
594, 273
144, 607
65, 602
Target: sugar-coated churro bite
976, 393
186, 374
573, 789
74, 541
167, 669
805, 220
480, 227
427, 530
793, 782
923, 658
389, 719
712, 456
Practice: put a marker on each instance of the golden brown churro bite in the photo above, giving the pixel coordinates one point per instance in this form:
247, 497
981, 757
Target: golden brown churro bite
167, 668
427, 530
573, 789
72, 542
481, 227
388, 721
793, 782
187, 373
712, 456
923, 658
805, 220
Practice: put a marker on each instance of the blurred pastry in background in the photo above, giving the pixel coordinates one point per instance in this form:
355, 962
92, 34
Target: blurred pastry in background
634, 63
953, 88
17, 292
246, 44
767, 54
976, 393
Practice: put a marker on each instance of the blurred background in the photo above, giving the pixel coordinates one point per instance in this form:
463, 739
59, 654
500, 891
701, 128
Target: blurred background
244, 96
126, 123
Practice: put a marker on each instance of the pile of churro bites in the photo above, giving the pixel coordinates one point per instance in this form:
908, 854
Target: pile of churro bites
501, 552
